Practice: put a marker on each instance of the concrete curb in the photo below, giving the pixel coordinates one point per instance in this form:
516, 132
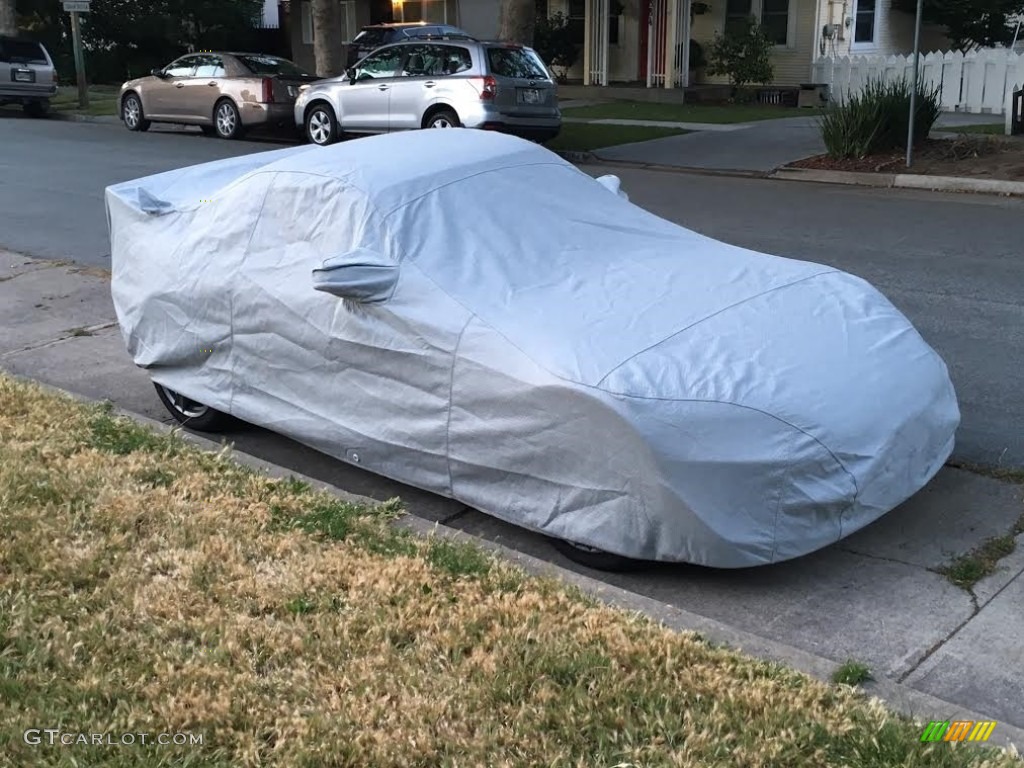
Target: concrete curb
898, 696
903, 181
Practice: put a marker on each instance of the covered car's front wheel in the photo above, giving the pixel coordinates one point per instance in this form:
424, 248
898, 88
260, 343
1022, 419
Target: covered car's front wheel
191, 413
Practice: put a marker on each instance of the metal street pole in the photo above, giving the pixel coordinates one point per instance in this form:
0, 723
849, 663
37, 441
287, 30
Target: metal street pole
913, 93
83, 88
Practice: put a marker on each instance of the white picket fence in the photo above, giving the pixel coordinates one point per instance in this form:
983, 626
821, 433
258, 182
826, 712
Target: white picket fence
980, 81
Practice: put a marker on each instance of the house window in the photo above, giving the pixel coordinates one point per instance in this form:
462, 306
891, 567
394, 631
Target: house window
348, 21
864, 21
434, 11
736, 14
775, 20
307, 23
615, 10
577, 20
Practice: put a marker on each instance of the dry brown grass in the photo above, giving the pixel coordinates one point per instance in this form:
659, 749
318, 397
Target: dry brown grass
146, 586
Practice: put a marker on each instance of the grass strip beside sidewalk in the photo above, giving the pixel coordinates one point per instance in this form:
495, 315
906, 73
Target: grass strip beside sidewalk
684, 113
149, 587
582, 137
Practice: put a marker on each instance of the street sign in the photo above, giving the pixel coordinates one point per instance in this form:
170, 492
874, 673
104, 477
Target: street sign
76, 6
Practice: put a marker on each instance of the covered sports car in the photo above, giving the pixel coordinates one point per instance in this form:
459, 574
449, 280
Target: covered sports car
468, 313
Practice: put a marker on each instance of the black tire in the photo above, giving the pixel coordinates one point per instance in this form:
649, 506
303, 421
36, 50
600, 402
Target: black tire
36, 108
208, 130
227, 122
597, 559
190, 413
442, 118
321, 125
132, 115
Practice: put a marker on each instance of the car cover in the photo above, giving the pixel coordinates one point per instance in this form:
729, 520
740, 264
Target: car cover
468, 313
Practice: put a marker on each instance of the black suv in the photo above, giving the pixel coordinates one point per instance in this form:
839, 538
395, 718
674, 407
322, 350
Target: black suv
374, 36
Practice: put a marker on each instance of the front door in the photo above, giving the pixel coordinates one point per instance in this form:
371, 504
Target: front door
162, 97
413, 91
365, 100
202, 89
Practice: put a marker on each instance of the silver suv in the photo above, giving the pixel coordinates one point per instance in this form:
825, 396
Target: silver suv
27, 75
448, 83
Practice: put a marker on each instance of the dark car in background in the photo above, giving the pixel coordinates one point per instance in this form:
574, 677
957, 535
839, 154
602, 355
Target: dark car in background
374, 36
27, 75
222, 93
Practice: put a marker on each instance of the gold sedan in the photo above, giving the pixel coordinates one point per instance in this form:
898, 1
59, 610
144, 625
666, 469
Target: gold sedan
222, 93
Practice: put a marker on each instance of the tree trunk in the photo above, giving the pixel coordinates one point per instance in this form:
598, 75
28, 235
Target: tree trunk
517, 21
327, 44
8, 18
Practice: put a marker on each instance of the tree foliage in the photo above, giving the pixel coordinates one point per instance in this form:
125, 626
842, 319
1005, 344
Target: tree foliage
969, 23
125, 38
743, 54
553, 40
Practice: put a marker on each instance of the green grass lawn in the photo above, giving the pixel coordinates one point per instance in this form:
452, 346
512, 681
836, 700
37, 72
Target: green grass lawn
683, 113
102, 100
150, 589
581, 137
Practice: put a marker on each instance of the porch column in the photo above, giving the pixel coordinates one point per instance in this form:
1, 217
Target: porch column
588, 20
671, 15
684, 29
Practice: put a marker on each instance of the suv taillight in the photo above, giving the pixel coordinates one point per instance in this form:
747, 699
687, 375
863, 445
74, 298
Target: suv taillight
56, 80
488, 87
268, 90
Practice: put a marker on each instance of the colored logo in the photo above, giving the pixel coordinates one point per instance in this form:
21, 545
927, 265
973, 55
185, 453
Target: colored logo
958, 730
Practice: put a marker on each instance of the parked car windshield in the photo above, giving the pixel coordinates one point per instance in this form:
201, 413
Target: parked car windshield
271, 65
22, 50
515, 62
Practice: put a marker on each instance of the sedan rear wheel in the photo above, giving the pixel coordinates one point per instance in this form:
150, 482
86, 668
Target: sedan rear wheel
598, 559
321, 125
226, 120
191, 413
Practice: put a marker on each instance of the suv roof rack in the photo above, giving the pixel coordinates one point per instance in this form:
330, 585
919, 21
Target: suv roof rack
443, 36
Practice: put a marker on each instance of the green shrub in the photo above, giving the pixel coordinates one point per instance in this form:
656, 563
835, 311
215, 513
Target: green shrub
553, 39
876, 119
743, 53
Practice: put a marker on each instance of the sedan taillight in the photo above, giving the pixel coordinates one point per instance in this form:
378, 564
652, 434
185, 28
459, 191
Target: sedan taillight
268, 90
488, 87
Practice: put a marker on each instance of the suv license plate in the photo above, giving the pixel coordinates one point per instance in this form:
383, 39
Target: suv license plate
530, 96
24, 76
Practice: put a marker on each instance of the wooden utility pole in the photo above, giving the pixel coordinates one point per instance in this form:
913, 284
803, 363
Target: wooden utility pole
83, 87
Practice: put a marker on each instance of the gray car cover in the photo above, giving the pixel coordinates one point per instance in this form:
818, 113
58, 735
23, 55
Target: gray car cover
468, 313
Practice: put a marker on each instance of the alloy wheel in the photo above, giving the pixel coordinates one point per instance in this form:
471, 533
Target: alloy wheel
441, 121
190, 409
132, 112
320, 127
226, 119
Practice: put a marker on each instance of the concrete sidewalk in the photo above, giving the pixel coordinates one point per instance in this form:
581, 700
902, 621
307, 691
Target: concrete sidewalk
877, 597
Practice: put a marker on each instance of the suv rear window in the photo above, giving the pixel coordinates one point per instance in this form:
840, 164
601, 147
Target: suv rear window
270, 66
22, 51
516, 62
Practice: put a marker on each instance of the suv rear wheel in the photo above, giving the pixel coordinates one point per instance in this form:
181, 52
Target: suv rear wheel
443, 118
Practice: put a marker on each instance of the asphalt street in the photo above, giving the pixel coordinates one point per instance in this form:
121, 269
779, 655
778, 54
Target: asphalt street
952, 263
